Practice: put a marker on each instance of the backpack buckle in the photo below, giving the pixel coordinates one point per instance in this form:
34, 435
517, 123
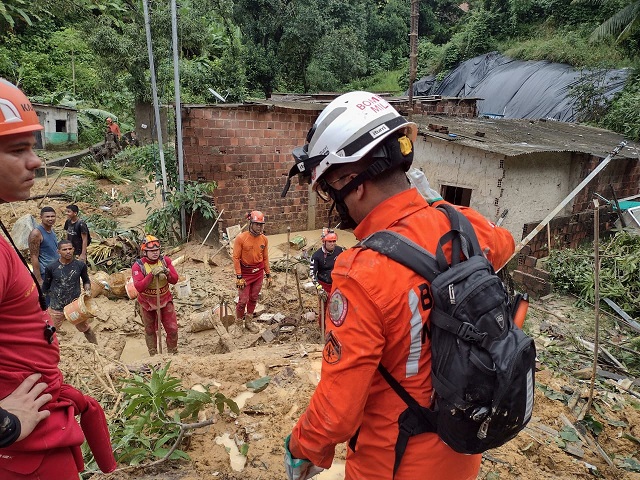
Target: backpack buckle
469, 333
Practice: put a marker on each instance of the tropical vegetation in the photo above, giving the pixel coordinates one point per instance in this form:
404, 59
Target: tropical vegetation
92, 54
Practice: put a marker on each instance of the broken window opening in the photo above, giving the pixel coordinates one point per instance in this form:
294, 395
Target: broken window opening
456, 195
61, 126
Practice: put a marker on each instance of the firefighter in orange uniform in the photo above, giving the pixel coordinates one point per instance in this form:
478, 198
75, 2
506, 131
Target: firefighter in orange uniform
251, 264
357, 154
152, 274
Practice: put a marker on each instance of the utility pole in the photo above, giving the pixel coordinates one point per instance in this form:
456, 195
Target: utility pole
154, 91
413, 50
178, 112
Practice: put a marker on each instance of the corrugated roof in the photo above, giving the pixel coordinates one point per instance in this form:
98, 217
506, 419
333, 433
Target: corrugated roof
516, 137
48, 105
509, 137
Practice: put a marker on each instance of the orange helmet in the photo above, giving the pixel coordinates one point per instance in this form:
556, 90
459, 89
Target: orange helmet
256, 217
150, 243
329, 236
16, 112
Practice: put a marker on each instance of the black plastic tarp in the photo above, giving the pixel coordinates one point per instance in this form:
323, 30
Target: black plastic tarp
520, 89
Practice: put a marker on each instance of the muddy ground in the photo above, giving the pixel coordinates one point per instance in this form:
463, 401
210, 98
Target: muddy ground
547, 449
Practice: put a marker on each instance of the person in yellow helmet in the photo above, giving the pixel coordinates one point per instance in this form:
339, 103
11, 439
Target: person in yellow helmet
251, 264
39, 434
152, 274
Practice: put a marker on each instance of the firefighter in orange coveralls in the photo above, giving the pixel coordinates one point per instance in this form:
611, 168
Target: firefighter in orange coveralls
356, 155
251, 264
152, 275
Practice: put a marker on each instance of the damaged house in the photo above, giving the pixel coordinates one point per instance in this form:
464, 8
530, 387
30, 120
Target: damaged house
527, 167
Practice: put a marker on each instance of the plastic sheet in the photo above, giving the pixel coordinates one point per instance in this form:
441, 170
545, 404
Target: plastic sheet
519, 89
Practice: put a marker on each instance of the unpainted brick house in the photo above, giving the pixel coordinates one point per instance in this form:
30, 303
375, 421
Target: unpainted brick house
246, 149
527, 167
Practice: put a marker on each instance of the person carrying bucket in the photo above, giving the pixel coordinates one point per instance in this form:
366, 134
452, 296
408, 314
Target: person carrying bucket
62, 283
152, 274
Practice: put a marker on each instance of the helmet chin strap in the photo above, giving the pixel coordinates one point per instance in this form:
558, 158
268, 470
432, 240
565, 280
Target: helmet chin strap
251, 231
346, 222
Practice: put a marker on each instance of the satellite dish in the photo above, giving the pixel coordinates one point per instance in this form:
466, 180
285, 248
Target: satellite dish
218, 96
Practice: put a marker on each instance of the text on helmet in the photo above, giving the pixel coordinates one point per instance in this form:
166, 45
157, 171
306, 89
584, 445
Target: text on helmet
375, 104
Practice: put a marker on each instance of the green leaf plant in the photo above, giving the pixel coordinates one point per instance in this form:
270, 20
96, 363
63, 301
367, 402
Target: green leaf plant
150, 426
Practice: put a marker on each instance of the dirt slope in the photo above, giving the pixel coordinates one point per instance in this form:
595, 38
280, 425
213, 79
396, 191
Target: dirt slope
293, 361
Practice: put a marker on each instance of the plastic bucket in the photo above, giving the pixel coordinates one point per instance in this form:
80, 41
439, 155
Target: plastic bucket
183, 287
79, 310
117, 282
130, 289
96, 288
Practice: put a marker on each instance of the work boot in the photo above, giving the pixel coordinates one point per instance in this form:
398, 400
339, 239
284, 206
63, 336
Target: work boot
250, 324
152, 343
91, 336
172, 343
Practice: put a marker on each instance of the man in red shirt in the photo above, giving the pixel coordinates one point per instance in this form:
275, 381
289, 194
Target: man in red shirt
251, 264
35, 444
357, 154
152, 274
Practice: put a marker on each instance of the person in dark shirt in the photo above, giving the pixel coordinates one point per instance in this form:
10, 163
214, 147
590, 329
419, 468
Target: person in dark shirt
77, 232
322, 262
62, 283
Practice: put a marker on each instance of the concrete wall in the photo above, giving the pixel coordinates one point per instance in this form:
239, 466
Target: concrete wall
247, 150
530, 186
48, 115
534, 184
449, 163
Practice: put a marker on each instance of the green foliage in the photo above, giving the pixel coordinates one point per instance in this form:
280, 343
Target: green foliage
89, 168
165, 222
386, 81
569, 47
88, 192
572, 271
589, 95
103, 225
153, 409
623, 115
12, 11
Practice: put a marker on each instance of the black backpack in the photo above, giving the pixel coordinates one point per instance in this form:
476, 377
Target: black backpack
482, 364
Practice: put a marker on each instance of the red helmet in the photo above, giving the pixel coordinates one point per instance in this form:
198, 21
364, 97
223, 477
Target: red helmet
256, 217
16, 112
150, 243
329, 236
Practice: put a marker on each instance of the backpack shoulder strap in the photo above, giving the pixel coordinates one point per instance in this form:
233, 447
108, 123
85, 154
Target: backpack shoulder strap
404, 251
460, 223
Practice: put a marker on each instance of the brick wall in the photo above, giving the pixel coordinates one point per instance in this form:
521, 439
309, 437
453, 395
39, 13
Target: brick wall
566, 232
246, 149
452, 107
623, 174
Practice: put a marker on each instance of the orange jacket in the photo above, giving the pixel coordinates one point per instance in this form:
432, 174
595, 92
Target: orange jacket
370, 310
250, 250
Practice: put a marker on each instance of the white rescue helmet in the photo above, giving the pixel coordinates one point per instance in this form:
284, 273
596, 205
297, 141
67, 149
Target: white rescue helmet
348, 128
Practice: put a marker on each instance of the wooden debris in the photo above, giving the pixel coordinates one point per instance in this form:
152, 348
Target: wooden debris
590, 346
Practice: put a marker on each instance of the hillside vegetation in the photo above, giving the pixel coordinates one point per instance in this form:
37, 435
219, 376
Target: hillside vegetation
93, 53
